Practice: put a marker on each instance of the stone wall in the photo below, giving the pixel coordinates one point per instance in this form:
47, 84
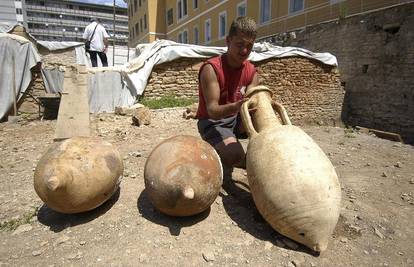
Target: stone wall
50, 59
375, 52
178, 78
310, 91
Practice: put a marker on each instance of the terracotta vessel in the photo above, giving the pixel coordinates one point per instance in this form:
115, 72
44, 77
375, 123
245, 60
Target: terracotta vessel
78, 174
293, 183
183, 175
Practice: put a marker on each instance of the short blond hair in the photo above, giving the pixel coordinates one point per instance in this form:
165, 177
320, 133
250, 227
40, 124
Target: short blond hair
245, 25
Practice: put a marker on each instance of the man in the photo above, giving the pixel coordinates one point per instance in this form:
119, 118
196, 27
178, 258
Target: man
97, 35
222, 83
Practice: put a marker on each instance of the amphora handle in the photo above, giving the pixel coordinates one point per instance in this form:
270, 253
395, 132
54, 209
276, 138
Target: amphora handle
247, 119
277, 107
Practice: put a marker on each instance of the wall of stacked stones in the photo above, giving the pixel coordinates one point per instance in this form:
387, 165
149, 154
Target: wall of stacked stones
310, 91
178, 78
375, 53
50, 59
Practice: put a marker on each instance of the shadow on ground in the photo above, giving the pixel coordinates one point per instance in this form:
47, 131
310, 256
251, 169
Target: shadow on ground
174, 224
239, 205
58, 222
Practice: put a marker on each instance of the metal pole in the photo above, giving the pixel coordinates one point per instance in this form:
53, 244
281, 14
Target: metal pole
113, 50
128, 33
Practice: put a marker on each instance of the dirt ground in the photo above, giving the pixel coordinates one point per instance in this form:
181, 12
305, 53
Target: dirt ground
375, 227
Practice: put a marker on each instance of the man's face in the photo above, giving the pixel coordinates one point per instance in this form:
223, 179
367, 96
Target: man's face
239, 47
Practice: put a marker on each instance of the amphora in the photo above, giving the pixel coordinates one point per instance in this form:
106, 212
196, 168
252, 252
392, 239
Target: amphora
78, 174
183, 175
293, 183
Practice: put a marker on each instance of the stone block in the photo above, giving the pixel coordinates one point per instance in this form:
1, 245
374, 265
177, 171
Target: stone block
141, 116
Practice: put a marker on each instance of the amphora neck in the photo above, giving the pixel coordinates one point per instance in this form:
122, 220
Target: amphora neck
264, 116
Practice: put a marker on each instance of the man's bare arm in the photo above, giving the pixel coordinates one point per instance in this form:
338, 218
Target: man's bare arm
106, 43
211, 92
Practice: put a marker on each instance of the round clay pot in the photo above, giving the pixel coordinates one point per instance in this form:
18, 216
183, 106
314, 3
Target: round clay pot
183, 175
78, 174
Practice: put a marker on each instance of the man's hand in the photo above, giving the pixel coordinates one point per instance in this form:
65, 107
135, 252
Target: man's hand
105, 49
240, 103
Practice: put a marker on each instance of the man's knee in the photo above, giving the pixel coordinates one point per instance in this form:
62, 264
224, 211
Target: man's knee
231, 151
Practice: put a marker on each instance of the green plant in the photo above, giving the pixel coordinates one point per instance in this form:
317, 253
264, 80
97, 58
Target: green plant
343, 10
167, 102
12, 224
349, 132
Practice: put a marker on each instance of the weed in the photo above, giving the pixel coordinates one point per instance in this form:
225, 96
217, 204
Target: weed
12, 224
167, 102
349, 132
343, 10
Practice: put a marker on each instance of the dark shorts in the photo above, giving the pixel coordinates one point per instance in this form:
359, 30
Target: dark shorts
215, 131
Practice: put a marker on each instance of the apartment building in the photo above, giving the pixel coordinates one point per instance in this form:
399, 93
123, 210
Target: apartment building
12, 11
63, 20
206, 22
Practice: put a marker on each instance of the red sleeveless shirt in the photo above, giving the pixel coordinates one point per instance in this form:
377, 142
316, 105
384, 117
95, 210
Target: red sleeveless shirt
230, 80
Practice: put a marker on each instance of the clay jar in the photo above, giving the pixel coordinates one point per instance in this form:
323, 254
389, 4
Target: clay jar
293, 183
78, 174
183, 175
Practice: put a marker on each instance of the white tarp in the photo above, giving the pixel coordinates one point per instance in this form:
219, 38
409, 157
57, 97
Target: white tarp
82, 58
107, 91
139, 69
21, 57
120, 85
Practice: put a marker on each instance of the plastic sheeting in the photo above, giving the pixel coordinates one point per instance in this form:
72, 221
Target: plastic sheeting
21, 57
122, 85
107, 91
53, 79
161, 51
108, 88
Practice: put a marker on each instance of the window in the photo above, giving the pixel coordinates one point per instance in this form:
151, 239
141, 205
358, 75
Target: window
196, 35
145, 21
222, 24
139, 2
264, 11
207, 31
185, 37
336, 1
140, 24
136, 29
19, 11
195, 4
295, 6
181, 8
135, 5
170, 19
241, 9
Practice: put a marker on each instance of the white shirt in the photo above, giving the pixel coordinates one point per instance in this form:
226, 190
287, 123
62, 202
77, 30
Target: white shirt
97, 43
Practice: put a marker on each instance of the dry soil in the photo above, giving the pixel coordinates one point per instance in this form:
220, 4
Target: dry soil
375, 227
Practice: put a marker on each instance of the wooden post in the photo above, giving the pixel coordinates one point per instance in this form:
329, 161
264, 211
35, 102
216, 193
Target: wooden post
14, 87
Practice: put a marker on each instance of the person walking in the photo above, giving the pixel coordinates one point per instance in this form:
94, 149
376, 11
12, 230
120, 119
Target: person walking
97, 37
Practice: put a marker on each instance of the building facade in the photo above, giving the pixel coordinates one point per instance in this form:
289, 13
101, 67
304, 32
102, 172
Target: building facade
12, 11
62, 20
206, 22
